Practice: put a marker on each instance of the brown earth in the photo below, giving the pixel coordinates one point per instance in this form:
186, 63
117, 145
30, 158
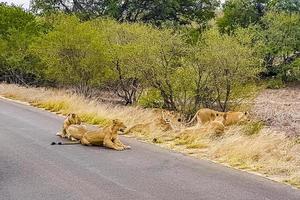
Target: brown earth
280, 109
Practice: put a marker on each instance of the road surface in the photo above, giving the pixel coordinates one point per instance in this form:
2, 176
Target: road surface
32, 169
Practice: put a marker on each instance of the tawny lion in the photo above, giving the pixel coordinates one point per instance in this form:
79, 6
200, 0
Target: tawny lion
235, 117
75, 131
217, 126
72, 118
205, 115
108, 137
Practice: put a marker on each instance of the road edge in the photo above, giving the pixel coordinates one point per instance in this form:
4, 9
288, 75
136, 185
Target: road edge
157, 145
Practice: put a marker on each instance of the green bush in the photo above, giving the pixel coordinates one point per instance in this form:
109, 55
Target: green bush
253, 128
18, 29
275, 83
292, 72
151, 98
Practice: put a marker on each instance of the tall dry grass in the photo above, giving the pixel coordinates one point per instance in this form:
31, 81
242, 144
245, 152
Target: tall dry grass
249, 146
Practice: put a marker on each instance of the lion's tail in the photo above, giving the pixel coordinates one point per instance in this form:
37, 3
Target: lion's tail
193, 119
65, 143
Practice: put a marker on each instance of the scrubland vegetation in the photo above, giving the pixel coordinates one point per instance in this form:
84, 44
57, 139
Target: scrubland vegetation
179, 57
205, 61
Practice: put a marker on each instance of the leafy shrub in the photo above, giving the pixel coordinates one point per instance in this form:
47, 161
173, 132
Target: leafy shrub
151, 98
292, 72
275, 83
253, 128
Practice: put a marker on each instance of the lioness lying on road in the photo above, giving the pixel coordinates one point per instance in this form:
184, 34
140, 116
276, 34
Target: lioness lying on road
72, 118
75, 131
108, 136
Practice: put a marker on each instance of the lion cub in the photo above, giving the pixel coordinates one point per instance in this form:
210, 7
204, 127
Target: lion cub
107, 136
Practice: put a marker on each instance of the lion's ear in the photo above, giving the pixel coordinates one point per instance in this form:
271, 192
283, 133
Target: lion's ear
73, 115
225, 116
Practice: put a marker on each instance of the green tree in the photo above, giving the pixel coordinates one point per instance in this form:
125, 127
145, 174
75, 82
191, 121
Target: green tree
175, 12
156, 12
159, 57
279, 35
241, 13
73, 54
227, 64
292, 6
17, 31
210, 74
123, 43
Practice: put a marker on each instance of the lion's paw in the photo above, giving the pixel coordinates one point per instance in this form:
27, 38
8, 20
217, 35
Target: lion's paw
59, 134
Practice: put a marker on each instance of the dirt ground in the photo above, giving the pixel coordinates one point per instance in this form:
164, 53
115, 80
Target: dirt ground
280, 109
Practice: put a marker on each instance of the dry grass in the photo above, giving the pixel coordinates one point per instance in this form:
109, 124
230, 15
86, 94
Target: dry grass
251, 146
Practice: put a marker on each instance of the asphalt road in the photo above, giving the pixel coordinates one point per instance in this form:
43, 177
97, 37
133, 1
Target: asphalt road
32, 169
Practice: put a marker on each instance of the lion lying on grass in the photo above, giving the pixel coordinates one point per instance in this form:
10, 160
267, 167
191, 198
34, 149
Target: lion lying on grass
235, 117
217, 126
206, 115
165, 121
213, 128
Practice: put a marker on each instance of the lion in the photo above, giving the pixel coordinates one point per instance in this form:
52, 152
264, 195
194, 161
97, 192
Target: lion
165, 121
217, 126
205, 115
143, 128
169, 121
76, 131
72, 118
235, 117
107, 136
212, 128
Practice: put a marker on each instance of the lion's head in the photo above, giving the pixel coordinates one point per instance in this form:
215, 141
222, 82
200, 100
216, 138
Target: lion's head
119, 125
73, 118
236, 117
